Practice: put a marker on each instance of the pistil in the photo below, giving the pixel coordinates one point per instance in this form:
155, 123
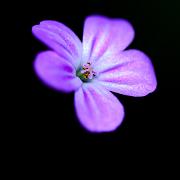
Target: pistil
86, 73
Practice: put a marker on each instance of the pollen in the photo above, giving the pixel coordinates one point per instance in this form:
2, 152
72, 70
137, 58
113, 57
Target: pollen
86, 73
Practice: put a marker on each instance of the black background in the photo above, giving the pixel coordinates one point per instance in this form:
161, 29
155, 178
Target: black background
150, 122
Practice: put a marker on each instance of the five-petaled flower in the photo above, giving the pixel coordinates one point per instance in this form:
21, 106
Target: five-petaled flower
94, 67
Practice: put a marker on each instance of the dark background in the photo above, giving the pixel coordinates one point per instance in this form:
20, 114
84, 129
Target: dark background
150, 123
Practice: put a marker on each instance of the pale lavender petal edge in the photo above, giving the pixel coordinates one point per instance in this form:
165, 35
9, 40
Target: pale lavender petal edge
56, 72
129, 73
105, 36
98, 110
61, 39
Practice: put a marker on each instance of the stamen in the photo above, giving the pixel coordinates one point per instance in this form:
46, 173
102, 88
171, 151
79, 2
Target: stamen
86, 73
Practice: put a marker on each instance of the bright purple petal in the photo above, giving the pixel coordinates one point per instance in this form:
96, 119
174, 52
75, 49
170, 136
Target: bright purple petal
61, 39
104, 36
130, 73
98, 109
56, 72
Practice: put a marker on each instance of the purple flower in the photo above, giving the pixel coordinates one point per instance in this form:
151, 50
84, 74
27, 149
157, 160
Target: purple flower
94, 67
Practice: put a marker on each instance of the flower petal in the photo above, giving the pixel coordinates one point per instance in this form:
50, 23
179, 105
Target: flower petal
104, 36
98, 109
130, 73
60, 38
56, 72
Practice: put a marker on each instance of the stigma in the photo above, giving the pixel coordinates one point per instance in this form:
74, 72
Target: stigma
86, 73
